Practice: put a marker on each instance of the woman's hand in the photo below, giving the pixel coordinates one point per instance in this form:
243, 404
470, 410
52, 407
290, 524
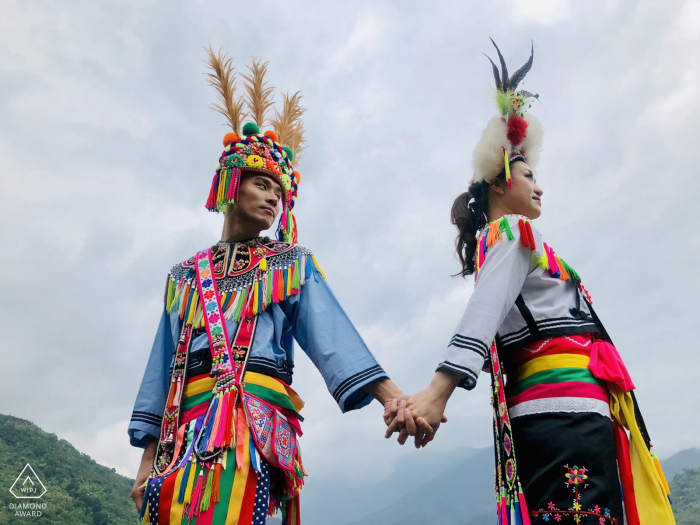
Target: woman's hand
423, 413
139, 488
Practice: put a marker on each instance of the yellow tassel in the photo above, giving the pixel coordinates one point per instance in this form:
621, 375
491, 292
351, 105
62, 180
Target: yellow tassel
255, 298
507, 166
661, 474
263, 265
146, 518
190, 483
318, 267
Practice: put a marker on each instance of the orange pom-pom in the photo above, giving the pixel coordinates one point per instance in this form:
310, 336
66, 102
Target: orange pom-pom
272, 135
297, 177
230, 138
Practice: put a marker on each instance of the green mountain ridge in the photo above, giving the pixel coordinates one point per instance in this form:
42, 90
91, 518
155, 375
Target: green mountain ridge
82, 492
79, 490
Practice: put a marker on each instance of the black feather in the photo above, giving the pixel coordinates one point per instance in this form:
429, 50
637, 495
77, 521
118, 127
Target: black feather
519, 75
504, 69
496, 74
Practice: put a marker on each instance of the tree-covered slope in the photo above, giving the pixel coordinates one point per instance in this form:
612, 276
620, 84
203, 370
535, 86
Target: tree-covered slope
685, 491
79, 491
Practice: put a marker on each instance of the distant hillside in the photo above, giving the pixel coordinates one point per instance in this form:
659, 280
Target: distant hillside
688, 458
461, 495
685, 491
80, 492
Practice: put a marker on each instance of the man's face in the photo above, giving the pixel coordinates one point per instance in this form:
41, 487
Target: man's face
259, 200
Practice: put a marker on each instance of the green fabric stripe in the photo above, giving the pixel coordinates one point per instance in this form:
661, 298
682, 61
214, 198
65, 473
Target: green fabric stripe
556, 375
197, 399
272, 397
225, 487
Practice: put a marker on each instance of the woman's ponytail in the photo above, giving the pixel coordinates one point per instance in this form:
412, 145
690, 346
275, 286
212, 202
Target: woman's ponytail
469, 212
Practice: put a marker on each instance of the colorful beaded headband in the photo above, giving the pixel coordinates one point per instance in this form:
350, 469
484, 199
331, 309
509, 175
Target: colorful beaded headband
273, 153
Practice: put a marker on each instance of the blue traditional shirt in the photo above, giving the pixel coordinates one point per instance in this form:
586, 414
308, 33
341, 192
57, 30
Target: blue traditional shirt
312, 316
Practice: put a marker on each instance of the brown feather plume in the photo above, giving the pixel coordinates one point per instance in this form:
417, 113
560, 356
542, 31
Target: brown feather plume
289, 124
223, 79
259, 95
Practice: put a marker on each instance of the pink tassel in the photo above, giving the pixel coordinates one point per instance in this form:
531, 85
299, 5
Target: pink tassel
196, 495
236, 175
223, 423
523, 506
230, 193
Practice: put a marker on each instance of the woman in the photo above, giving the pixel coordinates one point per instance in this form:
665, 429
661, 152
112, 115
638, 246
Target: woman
567, 399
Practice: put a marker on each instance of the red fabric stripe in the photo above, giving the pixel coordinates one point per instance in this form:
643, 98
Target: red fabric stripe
205, 518
568, 389
523, 356
248, 505
626, 480
197, 378
166, 499
194, 413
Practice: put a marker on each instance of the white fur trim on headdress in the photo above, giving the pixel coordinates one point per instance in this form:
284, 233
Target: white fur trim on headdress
512, 104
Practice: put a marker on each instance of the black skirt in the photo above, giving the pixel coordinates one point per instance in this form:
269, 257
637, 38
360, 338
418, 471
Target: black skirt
568, 468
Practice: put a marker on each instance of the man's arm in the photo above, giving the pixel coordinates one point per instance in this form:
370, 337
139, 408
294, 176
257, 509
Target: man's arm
139, 487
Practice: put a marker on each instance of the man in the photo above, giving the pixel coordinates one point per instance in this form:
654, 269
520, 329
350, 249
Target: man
215, 413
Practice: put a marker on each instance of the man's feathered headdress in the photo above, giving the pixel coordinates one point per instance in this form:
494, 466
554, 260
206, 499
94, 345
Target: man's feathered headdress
275, 152
512, 135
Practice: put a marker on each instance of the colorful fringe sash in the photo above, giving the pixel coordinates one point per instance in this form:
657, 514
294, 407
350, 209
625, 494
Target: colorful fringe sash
256, 419
510, 499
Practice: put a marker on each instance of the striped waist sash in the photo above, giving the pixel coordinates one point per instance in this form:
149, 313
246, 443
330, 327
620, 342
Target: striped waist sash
552, 376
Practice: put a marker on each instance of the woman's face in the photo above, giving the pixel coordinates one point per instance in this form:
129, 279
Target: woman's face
525, 197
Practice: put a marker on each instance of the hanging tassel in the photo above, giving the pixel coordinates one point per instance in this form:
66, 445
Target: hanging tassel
507, 167
236, 182
313, 258
211, 201
518, 511
523, 233
230, 187
240, 432
196, 495
184, 482
523, 506
295, 277
308, 268
206, 497
214, 423
215, 486
223, 423
512, 510
190, 483
505, 225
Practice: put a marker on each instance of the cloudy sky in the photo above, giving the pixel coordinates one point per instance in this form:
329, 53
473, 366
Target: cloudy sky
107, 148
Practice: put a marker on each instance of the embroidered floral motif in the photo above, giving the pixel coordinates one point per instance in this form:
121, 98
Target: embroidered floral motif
576, 475
576, 480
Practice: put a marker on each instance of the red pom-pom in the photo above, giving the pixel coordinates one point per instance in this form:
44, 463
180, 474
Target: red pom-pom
272, 135
517, 130
230, 138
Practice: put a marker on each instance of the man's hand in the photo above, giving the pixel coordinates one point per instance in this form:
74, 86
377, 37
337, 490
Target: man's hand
422, 414
139, 488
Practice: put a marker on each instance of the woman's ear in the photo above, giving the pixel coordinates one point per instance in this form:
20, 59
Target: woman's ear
497, 187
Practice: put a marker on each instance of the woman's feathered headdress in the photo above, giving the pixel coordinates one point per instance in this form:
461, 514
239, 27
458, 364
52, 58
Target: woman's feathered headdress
512, 135
275, 152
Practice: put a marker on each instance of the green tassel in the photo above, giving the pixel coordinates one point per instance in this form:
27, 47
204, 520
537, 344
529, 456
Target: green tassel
241, 301
269, 286
206, 498
573, 273
506, 225
295, 277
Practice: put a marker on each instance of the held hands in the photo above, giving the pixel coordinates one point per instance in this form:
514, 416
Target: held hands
422, 413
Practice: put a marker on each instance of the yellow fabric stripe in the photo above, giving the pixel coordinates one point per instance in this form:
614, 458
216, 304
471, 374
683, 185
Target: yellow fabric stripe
649, 487
239, 482
175, 507
550, 362
205, 384
268, 382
